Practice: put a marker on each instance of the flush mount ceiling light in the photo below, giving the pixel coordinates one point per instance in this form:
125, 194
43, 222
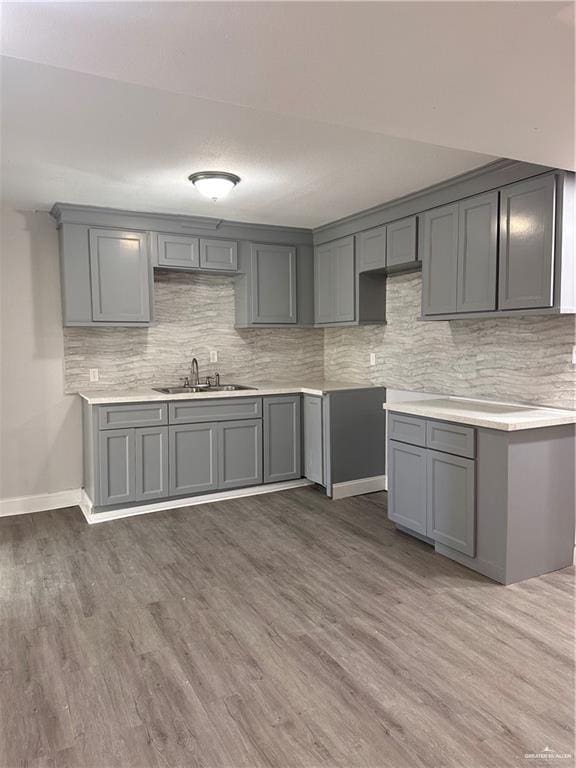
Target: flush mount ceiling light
214, 184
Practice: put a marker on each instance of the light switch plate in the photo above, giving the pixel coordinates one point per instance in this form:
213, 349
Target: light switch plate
372, 358
213, 356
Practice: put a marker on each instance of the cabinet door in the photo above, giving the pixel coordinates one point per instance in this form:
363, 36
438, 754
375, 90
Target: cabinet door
219, 255
313, 439
401, 242
324, 284
239, 453
282, 438
151, 459
477, 252
344, 282
120, 276
452, 501
527, 220
440, 260
407, 486
116, 465
372, 249
180, 251
193, 452
273, 285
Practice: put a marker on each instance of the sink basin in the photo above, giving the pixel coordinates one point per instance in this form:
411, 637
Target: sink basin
200, 388
228, 388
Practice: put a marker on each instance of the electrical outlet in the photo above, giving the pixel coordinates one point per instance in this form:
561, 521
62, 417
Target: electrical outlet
574, 355
213, 356
372, 358
94, 375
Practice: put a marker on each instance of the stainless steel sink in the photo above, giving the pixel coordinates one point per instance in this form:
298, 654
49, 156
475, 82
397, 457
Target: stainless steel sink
228, 388
204, 388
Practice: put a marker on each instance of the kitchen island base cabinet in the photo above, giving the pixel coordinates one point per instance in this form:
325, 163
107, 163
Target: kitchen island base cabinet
282, 438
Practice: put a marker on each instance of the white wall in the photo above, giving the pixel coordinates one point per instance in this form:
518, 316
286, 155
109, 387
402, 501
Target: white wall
40, 427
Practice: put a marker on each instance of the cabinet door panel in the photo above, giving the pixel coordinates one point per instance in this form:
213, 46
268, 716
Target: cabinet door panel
178, 251
372, 249
477, 253
116, 466
452, 501
527, 220
407, 486
313, 439
401, 242
120, 276
440, 260
193, 458
239, 453
324, 284
273, 284
282, 438
151, 452
344, 289
219, 254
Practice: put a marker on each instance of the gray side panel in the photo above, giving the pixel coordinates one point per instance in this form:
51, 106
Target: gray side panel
282, 438
116, 466
371, 297
120, 275
239, 453
371, 249
75, 274
401, 242
357, 434
477, 253
89, 453
407, 486
219, 409
178, 251
151, 453
451, 501
527, 215
305, 283
313, 439
440, 260
221, 255
193, 451
324, 284
273, 284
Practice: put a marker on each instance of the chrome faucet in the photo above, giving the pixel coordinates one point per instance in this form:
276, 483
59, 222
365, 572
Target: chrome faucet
194, 375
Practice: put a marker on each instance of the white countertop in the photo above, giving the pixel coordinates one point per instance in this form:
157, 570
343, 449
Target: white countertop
484, 413
258, 389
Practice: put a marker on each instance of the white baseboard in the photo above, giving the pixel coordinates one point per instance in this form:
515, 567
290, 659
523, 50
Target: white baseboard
186, 501
358, 487
24, 505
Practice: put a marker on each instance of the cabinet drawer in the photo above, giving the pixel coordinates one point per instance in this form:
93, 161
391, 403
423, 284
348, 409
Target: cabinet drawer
451, 438
407, 429
125, 416
188, 412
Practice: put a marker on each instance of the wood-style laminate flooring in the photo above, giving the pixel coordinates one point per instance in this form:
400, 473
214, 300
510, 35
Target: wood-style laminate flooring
279, 630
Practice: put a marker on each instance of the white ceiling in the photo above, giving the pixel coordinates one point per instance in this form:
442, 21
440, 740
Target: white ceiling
318, 106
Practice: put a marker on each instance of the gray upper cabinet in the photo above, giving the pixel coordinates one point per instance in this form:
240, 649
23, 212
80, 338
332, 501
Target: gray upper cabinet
193, 458
273, 284
477, 253
527, 221
451, 501
334, 282
371, 247
440, 260
282, 438
219, 255
178, 252
239, 453
407, 486
151, 463
401, 242
120, 276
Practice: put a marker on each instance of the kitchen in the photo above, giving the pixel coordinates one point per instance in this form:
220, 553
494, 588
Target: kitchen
360, 399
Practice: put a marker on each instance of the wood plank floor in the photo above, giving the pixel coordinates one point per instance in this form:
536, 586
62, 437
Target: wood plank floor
281, 630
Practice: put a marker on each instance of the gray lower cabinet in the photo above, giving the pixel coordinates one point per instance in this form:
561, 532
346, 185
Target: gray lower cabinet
313, 443
407, 486
334, 282
273, 284
178, 252
239, 453
440, 260
193, 458
120, 276
527, 222
151, 463
451, 501
219, 255
477, 253
282, 438
401, 242
116, 465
